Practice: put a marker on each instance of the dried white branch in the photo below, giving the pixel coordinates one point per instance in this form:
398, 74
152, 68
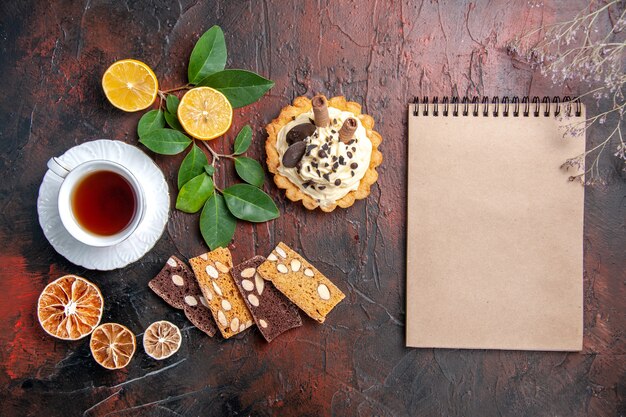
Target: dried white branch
587, 49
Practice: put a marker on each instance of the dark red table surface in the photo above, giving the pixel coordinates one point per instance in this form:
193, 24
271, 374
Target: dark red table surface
378, 53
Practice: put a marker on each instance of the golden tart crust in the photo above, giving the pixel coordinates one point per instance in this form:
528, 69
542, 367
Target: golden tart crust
302, 105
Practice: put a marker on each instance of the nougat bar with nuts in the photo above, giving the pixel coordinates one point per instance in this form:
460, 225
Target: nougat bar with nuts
212, 271
301, 282
177, 286
273, 313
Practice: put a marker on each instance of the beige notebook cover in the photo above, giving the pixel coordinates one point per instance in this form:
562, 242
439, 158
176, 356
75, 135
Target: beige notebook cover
495, 232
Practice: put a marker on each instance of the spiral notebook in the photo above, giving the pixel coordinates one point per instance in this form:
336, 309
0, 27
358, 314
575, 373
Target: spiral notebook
495, 228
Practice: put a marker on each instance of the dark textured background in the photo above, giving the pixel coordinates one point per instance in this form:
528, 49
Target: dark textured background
378, 53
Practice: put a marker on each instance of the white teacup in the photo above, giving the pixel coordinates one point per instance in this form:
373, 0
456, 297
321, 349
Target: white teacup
72, 177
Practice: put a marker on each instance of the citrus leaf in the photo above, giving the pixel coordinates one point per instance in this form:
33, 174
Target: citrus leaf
194, 193
239, 86
171, 103
247, 202
192, 166
172, 121
250, 170
150, 121
208, 56
217, 225
209, 169
243, 140
165, 141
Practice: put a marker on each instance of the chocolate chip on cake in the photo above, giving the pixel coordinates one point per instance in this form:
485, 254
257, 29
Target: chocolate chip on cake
337, 182
272, 311
177, 286
354, 165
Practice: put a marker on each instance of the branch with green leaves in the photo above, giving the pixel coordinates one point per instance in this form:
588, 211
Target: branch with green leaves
161, 132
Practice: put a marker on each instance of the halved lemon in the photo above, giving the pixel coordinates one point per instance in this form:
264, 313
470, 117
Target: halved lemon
112, 345
205, 113
70, 307
130, 85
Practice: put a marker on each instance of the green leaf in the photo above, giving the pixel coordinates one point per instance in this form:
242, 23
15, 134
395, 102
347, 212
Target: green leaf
172, 121
150, 121
209, 169
165, 141
247, 202
194, 193
250, 171
172, 103
192, 166
243, 140
208, 56
217, 224
239, 86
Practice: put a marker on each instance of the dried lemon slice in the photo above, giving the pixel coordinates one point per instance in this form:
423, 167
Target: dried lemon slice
112, 345
205, 113
70, 307
130, 85
162, 339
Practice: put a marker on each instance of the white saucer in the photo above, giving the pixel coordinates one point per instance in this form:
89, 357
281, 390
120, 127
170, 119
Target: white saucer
149, 230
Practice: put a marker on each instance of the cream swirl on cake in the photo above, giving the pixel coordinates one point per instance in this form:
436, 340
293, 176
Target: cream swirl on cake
323, 166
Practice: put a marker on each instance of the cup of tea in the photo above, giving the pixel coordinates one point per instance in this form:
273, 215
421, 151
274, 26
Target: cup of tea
101, 203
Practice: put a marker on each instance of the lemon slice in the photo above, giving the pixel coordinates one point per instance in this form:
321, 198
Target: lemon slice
130, 85
205, 113
161, 339
70, 307
112, 345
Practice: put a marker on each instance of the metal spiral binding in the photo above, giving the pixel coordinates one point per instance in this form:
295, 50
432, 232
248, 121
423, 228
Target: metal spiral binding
566, 104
